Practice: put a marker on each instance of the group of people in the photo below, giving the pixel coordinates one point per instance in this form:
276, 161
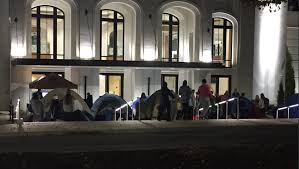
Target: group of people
187, 98
58, 108
261, 103
204, 97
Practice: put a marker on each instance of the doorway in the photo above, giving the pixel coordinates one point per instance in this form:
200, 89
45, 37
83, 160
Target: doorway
171, 80
111, 83
220, 84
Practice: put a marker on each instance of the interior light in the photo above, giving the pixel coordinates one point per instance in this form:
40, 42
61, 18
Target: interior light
85, 52
149, 54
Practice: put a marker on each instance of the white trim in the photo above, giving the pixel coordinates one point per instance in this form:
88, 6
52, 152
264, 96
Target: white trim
181, 9
234, 21
133, 13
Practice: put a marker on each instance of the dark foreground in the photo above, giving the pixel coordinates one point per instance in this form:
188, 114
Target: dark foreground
246, 144
258, 157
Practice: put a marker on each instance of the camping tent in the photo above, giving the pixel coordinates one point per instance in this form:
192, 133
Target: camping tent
104, 106
61, 92
150, 108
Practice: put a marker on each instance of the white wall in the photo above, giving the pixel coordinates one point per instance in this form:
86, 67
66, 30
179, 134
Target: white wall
141, 81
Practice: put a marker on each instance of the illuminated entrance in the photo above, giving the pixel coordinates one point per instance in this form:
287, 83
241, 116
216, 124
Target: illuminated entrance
111, 83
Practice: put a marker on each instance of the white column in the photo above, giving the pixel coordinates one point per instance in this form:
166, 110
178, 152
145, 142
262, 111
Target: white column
269, 51
4, 56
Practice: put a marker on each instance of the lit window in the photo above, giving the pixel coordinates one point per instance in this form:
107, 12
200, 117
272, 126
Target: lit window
112, 35
222, 41
171, 80
47, 33
170, 38
111, 83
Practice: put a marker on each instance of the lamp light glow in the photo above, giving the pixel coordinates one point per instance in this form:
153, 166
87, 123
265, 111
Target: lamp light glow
207, 56
85, 52
269, 51
149, 54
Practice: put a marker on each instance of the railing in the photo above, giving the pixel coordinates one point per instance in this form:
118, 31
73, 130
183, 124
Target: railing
119, 110
18, 118
226, 109
284, 108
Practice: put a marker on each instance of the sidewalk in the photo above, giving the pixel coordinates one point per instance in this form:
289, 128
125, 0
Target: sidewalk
101, 127
4, 118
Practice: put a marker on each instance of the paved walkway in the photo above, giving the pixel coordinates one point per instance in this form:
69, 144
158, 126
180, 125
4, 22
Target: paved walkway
59, 128
145, 135
4, 118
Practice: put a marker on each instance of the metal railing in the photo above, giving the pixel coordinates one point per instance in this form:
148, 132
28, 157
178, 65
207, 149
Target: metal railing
226, 108
119, 110
284, 108
18, 118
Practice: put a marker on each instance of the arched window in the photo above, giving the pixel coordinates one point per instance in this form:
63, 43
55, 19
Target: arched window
170, 38
47, 32
222, 41
112, 35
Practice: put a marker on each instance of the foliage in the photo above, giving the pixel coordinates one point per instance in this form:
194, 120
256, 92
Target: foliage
289, 76
261, 4
280, 95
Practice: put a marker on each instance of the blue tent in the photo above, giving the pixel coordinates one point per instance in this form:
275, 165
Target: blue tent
104, 107
293, 100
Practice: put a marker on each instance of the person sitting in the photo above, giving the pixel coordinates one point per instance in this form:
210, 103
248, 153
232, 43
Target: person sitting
55, 110
264, 103
37, 107
68, 104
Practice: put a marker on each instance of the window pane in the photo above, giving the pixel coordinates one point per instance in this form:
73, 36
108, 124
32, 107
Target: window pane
228, 23
46, 10
60, 38
175, 42
119, 16
60, 13
46, 31
218, 44
107, 14
120, 38
218, 21
228, 47
107, 38
34, 38
165, 42
175, 20
223, 85
34, 11
115, 85
102, 82
165, 17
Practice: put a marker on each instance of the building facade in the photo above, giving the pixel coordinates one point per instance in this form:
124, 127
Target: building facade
126, 47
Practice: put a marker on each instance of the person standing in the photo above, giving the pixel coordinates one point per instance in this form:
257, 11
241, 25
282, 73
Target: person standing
185, 94
89, 100
235, 94
165, 102
204, 92
192, 104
